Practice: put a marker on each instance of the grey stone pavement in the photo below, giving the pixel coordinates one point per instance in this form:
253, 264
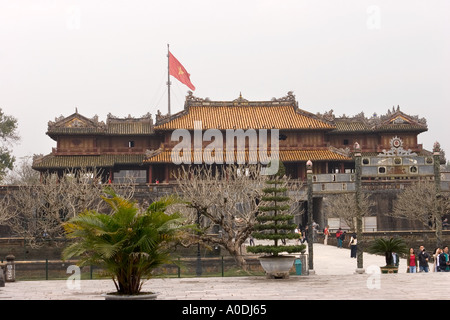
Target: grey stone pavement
334, 279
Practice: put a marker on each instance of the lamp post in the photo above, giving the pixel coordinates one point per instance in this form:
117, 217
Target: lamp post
437, 181
198, 269
359, 252
309, 234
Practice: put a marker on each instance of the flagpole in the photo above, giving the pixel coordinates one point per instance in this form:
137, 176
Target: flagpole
168, 78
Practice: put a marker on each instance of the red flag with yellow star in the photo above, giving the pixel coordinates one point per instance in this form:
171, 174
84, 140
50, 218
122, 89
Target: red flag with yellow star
177, 70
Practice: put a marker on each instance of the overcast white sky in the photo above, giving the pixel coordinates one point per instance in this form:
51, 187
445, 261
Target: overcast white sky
110, 57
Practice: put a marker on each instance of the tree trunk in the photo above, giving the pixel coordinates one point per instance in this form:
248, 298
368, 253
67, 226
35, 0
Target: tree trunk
438, 231
234, 250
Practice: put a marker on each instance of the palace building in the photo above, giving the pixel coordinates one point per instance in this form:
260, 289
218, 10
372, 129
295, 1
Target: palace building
143, 147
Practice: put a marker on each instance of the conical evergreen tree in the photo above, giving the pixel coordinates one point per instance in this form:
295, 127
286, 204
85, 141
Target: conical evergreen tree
274, 223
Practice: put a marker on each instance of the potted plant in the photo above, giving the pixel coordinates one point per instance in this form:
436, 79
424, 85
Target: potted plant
274, 224
386, 247
129, 243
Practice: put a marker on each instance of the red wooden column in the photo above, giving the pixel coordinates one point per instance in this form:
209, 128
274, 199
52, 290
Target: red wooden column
166, 173
110, 180
301, 171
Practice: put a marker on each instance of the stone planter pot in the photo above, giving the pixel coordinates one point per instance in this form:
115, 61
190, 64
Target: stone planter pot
141, 296
389, 269
277, 267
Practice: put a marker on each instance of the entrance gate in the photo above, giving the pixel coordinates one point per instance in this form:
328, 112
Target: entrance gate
391, 169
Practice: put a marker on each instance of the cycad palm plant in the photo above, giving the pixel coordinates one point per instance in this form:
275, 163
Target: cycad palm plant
128, 244
387, 246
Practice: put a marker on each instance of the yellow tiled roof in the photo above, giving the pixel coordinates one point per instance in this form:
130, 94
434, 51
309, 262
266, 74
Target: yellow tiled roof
101, 161
130, 128
244, 117
285, 156
351, 126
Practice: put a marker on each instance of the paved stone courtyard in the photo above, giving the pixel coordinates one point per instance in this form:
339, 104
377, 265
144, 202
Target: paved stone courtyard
334, 279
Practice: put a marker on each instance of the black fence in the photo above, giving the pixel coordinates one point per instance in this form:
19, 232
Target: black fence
183, 267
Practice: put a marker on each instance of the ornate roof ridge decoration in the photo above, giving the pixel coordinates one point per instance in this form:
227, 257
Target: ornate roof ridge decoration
76, 120
152, 153
62, 121
163, 118
145, 118
282, 113
396, 149
327, 115
240, 99
390, 118
346, 152
192, 100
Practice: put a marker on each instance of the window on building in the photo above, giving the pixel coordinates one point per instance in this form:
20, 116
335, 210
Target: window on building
369, 224
127, 176
131, 144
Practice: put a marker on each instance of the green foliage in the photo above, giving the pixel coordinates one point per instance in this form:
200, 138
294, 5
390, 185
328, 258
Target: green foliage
265, 218
274, 236
129, 243
274, 189
276, 250
387, 246
8, 134
269, 226
275, 208
273, 221
275, 198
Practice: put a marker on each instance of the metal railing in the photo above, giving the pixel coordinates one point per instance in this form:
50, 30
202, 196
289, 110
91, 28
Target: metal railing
183, 267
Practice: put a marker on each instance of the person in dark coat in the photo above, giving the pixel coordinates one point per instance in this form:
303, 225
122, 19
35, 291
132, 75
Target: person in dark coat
424, 257
444, 263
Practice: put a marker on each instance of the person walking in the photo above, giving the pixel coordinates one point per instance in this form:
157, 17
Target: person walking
338, 238
315, 228
423, 258
299, 235
342, 238
326, 233
353, 245
252, 241
436, 254
444, 264
412, 261
304, 232
395, 259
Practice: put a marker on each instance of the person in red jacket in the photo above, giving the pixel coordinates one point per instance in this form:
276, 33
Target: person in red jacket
326, 233
338, 238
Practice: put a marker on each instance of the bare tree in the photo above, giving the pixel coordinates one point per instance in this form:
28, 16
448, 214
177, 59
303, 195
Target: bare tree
420, 202
227, 196
343, 206
22, 174
36, 211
